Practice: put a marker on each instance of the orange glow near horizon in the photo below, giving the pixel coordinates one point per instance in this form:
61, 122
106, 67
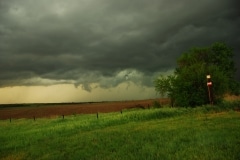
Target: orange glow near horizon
68, 93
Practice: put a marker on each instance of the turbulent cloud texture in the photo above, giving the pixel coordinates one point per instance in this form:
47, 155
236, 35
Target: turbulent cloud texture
106, 42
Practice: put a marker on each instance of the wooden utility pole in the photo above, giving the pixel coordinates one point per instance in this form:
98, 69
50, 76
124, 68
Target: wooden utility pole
209, 85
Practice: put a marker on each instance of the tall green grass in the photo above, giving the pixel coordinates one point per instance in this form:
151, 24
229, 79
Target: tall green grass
167, 133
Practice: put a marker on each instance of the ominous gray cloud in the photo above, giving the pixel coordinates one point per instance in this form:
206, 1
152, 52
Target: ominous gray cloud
107, 41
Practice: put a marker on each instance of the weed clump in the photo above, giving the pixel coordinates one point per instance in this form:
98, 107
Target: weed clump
156, 104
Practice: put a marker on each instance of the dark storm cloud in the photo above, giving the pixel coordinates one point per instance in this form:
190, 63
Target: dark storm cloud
96, 41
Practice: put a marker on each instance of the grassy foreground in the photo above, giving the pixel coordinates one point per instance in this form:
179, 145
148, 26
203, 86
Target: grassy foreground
165, 133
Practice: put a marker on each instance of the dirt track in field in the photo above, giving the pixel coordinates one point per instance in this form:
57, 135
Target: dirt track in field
52, 110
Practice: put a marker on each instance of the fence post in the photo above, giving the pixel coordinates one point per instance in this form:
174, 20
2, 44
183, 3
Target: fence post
63, 116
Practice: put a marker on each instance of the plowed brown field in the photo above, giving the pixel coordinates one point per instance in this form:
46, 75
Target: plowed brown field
52, 110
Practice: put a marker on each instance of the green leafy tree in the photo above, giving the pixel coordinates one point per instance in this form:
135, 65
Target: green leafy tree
164, 86
189, 85
194, 65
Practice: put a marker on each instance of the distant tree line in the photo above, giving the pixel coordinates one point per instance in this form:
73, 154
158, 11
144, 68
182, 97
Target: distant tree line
188, 85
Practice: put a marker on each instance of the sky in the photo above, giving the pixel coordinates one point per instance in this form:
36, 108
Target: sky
100, 50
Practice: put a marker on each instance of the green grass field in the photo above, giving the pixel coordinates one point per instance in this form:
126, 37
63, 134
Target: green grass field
164, 133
